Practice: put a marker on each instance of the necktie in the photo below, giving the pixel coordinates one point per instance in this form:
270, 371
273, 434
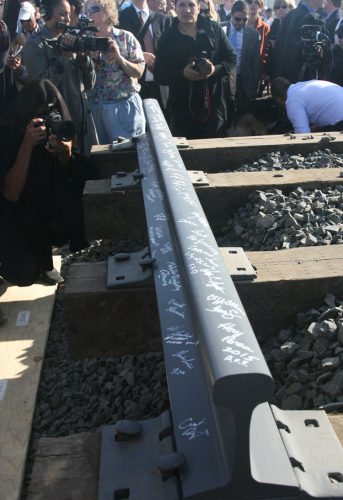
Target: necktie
234, 39
147, 38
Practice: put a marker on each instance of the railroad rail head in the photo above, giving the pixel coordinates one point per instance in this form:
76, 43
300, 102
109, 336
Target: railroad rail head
221, 438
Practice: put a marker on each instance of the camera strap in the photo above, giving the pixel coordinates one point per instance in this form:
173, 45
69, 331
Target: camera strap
202, 114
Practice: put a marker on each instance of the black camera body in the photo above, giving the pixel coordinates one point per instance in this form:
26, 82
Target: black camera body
312, 42
201, 64
64, 130
83, 40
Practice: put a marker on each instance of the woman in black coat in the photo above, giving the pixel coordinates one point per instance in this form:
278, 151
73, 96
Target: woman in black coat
41, 183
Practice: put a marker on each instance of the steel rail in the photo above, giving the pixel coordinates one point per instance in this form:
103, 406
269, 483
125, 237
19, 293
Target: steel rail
227, 377
228, 442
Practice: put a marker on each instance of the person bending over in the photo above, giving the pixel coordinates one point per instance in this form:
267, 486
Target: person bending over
41, 184
315, 104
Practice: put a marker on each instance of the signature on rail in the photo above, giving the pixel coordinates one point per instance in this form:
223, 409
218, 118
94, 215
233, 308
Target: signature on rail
176, 308
192, 429
183, 356
179, 335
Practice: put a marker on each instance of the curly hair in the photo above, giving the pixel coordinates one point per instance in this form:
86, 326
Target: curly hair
109, 7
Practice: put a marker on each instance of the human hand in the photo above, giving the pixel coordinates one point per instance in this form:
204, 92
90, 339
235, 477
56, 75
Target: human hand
61, 149
190, 74
13, 62
35, 132
149, 59
82, 57
113, 53
67, 41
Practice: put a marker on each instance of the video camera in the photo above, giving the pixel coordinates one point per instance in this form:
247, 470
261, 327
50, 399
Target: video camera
313, 42
83, 41
64, 130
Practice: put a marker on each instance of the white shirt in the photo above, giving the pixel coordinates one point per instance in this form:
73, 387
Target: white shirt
149, 77
315, 102
237, 47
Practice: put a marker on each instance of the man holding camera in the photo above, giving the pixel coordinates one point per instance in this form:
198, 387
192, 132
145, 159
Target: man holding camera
49, 54
194, 57
288, 48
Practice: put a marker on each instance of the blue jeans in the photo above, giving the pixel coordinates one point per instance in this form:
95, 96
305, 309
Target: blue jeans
124, 118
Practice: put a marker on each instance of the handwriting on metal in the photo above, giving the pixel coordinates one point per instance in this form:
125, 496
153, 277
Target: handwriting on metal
170, 277
192, 429
201, 258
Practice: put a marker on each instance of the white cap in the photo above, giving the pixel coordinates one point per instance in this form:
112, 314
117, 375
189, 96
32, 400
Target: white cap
27, 10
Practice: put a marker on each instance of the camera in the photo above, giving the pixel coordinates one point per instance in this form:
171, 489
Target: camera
83, 41
201, 64
64, 130
313, 42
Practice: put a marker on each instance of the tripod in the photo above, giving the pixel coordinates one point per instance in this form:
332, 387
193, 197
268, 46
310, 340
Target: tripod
309, 71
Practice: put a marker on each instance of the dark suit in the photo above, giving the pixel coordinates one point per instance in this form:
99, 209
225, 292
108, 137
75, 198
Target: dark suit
331, 23
129, 21
222, 14
250, 70
288, 61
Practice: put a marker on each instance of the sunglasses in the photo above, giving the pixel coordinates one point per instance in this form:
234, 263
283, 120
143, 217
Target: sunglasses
240, 19
93, 9
204, 11
281, 7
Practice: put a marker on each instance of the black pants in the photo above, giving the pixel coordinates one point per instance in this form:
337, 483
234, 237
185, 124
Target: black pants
22, 258
332, 128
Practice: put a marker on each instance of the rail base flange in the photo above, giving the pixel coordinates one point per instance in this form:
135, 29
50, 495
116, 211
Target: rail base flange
129, 468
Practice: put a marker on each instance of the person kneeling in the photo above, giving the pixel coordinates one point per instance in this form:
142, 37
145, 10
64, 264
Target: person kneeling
41, 184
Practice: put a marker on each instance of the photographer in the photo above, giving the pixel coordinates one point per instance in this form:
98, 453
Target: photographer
41, 185
116, 105
72, 72
288, 47
194, 57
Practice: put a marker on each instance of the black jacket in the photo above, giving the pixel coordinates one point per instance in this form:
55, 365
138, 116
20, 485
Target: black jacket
336, 68
331, 23
129, 21
175, 51
288, 61
250, 70
223, 17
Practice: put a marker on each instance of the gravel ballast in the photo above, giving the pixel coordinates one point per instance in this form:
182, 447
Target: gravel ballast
283, 161
306, 359
82, 395
272, 220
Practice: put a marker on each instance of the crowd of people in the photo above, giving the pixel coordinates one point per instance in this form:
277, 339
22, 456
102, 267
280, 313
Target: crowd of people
73, 73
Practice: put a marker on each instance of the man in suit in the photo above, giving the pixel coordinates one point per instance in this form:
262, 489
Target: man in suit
147, 27
334, 14
224, 11
288, 60
246, 44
